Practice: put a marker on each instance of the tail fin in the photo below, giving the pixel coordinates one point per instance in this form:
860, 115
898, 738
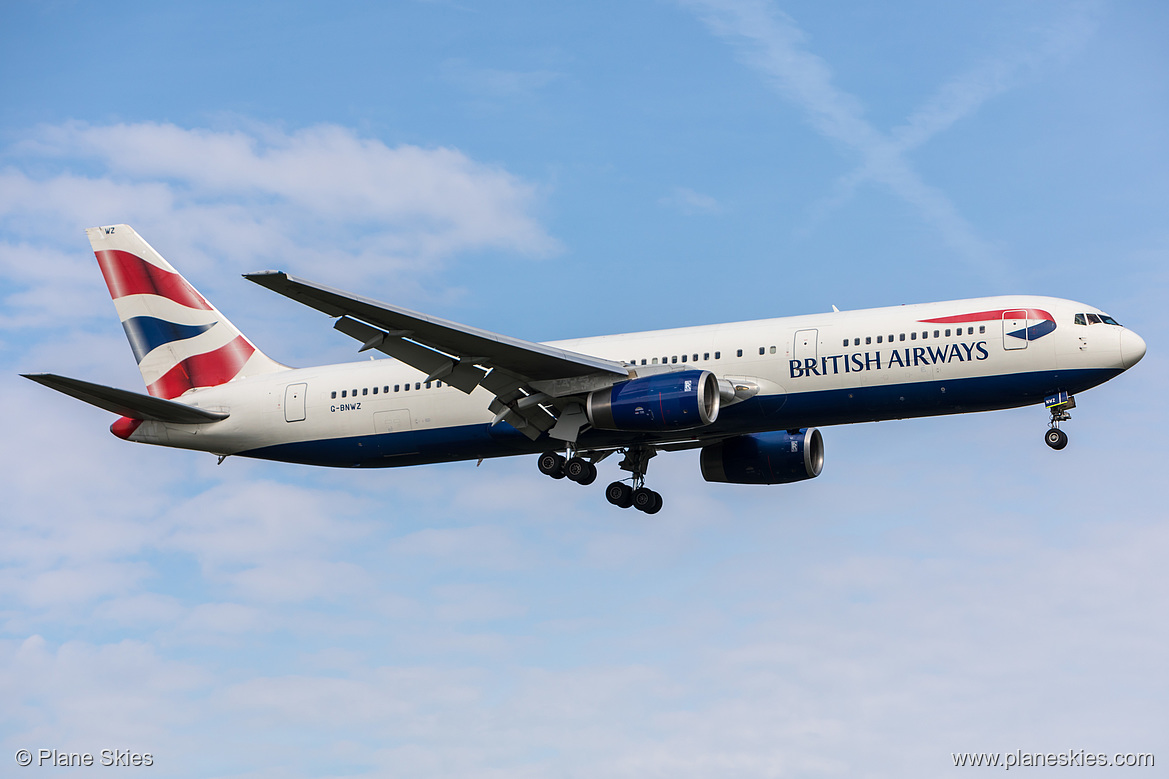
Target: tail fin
180, 340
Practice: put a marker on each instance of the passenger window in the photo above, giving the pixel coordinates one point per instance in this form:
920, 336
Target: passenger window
695, 358
717, 355
947, 332
902, 338
856, 342
655, 361
773, 350
343, 393
913, 336
981, 329
674, 360
846, 342
925, 334
683, 358
868, 340
396, 387
643, 362
878, 339
740, 354
761, 350
386, 389
375, 390
890, 338
428, 385
937, 334
417, 385
705, 355
405, 387
334, 395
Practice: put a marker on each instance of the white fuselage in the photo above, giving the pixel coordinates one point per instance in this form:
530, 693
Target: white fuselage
811, 370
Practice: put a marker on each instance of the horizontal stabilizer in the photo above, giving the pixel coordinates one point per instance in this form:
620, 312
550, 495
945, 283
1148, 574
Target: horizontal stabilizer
128, 404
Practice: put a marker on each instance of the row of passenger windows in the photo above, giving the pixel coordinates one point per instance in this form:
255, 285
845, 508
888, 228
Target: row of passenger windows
385, 389
674, 359
925, 334
764, 350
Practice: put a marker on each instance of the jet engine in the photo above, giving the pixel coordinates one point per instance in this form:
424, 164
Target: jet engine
780, 457
667, 401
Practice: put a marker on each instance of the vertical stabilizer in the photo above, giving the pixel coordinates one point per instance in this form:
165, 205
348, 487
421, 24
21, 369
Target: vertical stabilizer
180, 340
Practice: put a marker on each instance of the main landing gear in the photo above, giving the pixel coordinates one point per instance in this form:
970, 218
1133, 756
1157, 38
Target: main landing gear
576, 468
1058, 405
583, 470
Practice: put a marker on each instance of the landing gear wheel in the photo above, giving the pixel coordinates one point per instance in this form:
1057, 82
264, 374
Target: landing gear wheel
1056, 438
580, 470
552, 464
645, 499
619, 494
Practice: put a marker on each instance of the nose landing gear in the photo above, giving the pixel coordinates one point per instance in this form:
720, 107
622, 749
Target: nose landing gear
1059, 405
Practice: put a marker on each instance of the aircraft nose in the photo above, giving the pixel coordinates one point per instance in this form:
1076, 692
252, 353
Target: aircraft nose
1132, 348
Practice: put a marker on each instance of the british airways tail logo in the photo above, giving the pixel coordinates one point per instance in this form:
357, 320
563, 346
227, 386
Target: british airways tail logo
179, 340
1032, 323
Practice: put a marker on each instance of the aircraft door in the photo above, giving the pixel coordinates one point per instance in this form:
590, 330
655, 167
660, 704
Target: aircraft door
1015, 321
805, 345
294, 402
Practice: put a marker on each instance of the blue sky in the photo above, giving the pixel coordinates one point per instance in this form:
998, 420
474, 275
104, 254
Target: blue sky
946, 585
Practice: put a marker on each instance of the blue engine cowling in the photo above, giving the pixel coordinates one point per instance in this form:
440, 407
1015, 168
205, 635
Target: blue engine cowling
667, 401
765, 458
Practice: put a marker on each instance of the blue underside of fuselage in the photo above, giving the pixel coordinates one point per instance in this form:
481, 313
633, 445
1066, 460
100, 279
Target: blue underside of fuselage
772, 412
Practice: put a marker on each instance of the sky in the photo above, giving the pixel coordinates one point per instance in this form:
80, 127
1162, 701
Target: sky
553, 171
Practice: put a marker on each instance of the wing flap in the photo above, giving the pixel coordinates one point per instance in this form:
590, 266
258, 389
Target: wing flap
128, 404
435, 365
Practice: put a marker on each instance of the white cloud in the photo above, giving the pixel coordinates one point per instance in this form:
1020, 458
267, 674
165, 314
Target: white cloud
322, 197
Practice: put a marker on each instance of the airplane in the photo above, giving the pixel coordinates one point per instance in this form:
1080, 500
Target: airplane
750, 395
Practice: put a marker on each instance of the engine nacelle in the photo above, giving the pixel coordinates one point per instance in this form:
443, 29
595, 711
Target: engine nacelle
666, 401
765, 458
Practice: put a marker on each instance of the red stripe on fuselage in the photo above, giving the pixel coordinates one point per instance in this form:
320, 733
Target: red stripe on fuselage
128, 274
987, 316
204, 370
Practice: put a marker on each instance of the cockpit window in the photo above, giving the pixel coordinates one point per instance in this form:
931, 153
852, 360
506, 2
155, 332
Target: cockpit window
1093, 319
1081, 319
1109, 320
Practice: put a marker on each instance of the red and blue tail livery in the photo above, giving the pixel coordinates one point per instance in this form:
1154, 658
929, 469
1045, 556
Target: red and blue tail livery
751, 396
181, 342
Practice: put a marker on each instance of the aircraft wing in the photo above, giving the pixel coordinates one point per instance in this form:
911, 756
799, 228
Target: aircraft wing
126, 403
465, 357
